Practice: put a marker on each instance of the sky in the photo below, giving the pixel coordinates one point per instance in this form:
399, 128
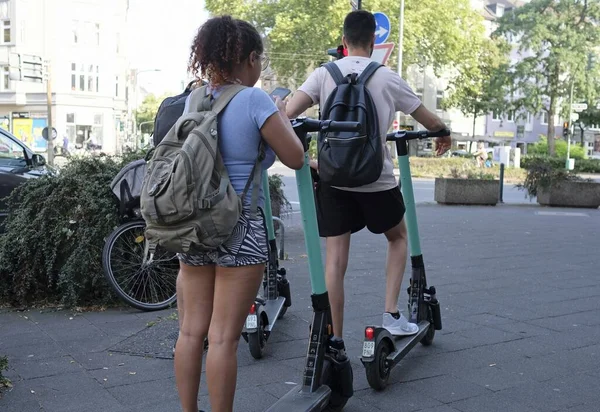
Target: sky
160, 36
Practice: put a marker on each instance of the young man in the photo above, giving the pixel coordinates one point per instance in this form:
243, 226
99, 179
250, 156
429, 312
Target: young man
379, 206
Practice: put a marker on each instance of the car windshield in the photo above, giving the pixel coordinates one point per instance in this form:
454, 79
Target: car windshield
11, 153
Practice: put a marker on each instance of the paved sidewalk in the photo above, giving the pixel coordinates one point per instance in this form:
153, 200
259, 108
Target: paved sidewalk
519, 288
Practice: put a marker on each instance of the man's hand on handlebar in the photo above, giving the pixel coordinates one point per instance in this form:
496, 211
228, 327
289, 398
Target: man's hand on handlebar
442, 145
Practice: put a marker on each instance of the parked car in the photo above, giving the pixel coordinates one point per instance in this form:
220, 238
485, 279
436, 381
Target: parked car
18, 163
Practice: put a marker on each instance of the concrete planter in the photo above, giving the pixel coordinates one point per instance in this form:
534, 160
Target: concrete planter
466, 191
571, 194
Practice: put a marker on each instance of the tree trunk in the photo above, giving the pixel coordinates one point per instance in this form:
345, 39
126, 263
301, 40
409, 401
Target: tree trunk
474, 123
551, 130
582, 134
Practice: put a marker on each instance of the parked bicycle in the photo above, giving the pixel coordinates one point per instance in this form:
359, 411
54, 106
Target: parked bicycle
141, 279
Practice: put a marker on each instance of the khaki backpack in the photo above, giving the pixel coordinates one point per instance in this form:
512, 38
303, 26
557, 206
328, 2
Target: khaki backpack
187, 200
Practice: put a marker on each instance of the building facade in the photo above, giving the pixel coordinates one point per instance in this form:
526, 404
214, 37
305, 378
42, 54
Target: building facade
84, 43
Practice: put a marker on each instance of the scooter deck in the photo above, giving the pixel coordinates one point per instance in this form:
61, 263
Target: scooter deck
404, 344
273, 309
298, 400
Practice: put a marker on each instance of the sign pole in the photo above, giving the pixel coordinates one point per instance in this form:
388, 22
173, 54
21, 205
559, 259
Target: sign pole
49, 108
400, 57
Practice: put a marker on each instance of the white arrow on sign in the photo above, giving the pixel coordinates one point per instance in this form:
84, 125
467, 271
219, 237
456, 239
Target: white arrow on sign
381, 31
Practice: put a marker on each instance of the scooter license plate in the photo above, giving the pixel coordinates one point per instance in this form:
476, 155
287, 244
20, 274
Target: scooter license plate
368, 349
251, 322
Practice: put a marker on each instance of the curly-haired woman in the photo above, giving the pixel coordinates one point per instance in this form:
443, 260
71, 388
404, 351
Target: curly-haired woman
219, 287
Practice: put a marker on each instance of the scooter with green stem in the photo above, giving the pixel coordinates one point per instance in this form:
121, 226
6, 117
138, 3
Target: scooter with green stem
381, 350
276, 297
326, 383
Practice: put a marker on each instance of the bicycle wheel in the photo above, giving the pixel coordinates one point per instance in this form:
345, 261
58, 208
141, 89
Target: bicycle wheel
143, 281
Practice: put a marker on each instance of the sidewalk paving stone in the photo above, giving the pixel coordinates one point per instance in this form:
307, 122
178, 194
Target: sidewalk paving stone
519, 293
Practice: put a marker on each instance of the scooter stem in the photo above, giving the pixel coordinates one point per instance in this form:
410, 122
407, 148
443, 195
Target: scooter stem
409, 198
311, 229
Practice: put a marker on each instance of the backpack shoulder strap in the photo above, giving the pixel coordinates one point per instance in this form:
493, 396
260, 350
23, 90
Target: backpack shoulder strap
223, 100
368, 72
198, 100
335, 72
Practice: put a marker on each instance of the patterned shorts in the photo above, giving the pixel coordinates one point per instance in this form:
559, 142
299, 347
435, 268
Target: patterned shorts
247, 245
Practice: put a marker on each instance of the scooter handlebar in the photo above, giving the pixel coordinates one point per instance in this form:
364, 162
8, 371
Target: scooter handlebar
305, 125
410, 135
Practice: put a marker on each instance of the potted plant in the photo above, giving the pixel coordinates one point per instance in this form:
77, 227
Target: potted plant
467, 187
555, 186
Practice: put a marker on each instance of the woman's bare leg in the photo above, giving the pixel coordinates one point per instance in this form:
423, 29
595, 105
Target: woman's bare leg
235, 291
196, 285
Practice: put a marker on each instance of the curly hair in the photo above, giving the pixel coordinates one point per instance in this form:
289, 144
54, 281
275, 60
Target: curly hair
220, 44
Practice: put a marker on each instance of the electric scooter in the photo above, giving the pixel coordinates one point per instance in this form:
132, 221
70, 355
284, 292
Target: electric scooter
326, 383
270, 307
381, 350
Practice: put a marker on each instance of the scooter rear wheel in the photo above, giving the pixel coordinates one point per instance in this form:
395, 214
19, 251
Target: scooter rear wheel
377, 371
257, 341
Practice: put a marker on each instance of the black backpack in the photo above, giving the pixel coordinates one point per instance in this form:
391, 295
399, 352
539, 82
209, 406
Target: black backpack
350, 159
168, 112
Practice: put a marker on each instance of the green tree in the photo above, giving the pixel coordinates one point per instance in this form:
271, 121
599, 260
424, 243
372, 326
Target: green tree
147, 111
478, 88
298, 32
554, 39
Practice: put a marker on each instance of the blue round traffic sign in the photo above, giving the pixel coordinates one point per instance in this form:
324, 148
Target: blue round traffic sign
382, 27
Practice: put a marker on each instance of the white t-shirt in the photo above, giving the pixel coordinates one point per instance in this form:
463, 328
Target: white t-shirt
390, 94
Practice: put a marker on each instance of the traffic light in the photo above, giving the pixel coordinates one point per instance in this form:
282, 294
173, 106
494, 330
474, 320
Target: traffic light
566, 130
338, 53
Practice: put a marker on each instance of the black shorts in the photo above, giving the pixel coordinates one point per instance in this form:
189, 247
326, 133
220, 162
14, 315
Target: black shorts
342, 211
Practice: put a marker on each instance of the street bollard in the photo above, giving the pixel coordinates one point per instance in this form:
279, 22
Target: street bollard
501, 183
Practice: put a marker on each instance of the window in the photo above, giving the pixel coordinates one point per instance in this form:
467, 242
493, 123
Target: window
118, 43
11, 153
97, 79
5, 26
544, 117
117, 86
510, 116
5, 16
97, 129
85, 33
88, 77
496, 115
70, 117
419, 93
529, 118
4, 70
439, 100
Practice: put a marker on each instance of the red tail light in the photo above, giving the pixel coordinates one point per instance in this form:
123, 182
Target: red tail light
369, 333
253, 309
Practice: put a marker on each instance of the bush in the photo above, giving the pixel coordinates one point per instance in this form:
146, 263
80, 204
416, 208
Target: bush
560, 149
51, 252
542, 173
279, 203
581, 165
431, 167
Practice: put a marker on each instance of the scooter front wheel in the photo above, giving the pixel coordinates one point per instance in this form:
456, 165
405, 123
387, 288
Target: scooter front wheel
428, 338
378, 372
339, 378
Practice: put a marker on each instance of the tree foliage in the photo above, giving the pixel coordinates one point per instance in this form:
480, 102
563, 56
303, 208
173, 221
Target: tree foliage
147, 111
554, 39
478, 88
298, 32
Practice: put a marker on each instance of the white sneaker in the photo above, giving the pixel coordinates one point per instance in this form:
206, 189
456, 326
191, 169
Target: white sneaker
399, 327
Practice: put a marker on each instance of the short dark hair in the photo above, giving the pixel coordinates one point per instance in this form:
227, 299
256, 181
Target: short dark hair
359, 28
